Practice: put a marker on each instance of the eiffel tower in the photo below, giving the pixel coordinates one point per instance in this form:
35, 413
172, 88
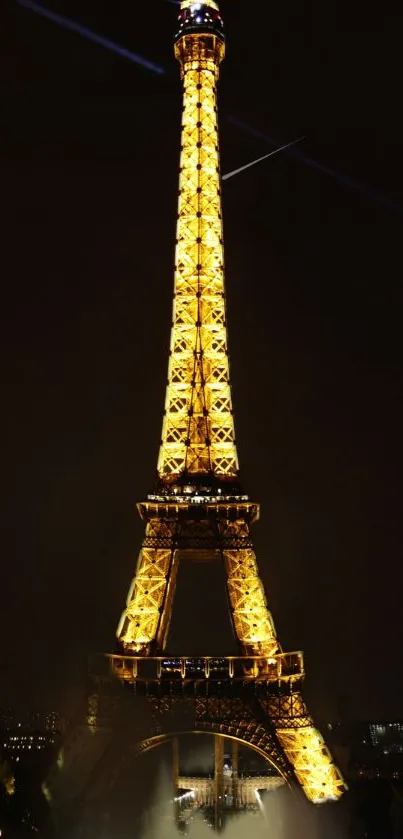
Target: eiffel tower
198, 509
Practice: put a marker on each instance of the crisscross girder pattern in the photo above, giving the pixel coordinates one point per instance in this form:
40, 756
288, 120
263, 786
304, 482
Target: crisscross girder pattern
198, 428
253, 623
146, 617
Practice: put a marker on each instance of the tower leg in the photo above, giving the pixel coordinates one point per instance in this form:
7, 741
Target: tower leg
218, 782
235, 771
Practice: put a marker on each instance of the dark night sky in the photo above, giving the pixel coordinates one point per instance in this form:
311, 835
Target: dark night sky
89, 169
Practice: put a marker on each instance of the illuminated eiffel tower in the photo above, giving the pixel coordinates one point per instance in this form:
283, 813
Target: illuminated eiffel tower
198, 509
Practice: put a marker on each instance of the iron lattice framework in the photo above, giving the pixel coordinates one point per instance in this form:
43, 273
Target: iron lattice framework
198, 509
198, 429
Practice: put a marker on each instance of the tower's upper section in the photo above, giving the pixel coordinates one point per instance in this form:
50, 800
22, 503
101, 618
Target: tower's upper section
198, 441
199, 18
200, 33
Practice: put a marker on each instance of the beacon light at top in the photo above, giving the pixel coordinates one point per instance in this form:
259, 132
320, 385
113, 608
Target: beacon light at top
199, 18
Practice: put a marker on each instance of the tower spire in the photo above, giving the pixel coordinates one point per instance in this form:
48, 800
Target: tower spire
198, 428
191, 4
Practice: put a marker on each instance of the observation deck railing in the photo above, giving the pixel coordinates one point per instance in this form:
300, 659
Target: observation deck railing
286, 667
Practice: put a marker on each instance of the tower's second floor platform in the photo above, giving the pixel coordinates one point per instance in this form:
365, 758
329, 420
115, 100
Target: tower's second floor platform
197, 673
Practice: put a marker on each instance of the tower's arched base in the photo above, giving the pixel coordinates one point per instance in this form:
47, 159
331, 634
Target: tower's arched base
140, 703
100, 747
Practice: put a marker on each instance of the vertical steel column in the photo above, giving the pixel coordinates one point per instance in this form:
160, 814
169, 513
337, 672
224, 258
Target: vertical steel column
235, 771
218, 781
175, 777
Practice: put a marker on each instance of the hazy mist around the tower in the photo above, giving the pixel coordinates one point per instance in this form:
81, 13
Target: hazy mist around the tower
138, 803
281, 817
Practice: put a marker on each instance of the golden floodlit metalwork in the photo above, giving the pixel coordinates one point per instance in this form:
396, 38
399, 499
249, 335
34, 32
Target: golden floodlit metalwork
198, 509
198, 429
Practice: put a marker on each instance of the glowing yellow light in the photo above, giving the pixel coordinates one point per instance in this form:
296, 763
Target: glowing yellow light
198, 438
192, 4
47, 793
313, 765
198, 429
252, 620
7, 779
